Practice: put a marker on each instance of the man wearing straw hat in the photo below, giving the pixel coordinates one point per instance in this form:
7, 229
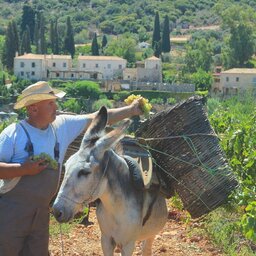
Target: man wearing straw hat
26, 186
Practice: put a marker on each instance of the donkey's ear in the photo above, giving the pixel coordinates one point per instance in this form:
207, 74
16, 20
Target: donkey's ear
96, 127
110, 139
99, 122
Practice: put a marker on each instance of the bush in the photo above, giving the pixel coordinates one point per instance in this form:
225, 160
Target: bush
83, 89
157, 101
71, 105
102, 102
171, 101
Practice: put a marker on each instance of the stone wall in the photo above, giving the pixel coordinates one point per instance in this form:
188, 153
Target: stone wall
162, 87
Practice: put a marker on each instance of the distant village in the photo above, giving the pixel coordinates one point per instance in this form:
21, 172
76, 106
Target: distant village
110, 70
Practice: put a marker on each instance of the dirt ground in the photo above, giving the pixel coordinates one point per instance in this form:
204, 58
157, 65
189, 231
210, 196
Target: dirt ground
176, 239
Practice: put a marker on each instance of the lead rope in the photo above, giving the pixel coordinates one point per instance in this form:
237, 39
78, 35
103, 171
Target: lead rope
61, 239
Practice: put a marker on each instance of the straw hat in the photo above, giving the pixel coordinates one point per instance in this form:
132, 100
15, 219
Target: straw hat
37, 92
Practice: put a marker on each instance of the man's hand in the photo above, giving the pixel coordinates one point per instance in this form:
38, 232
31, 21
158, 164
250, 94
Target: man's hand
136, 107
138, 104
34, 167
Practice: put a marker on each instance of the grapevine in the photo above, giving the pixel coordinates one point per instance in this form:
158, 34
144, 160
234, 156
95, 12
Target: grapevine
47, 160
144, 104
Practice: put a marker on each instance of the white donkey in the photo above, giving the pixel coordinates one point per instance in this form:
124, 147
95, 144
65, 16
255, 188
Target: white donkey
125, 213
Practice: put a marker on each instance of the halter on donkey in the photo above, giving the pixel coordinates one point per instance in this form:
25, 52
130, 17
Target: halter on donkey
125, 213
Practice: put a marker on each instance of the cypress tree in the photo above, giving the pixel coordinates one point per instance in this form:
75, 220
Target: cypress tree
39, 34
16, 37
104, 42
69, 45
95, 46
3, 79
42, 34
26, 43
23, 43
156, 32
156, 40
56, 41
52, 36
9, 48
36, 33
28, 19
166, 46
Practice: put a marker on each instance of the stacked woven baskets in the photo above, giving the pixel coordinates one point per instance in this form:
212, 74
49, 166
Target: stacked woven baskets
188, 157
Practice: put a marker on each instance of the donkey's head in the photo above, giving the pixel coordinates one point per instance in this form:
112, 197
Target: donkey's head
85, 177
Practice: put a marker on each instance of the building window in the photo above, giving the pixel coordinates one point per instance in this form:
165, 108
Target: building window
254, 81
96, 65
33, 64
32, 73
22, 64
57, 74
64, 64
54, 64
218, 70
84, 65
22, 73
109, 66
227, 79
237, 79
120, 66
72, 75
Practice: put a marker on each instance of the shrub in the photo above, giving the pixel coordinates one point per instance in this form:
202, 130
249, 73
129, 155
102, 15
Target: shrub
102, 102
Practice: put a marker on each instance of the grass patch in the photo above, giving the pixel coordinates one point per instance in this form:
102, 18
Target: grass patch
56, 228
223, 229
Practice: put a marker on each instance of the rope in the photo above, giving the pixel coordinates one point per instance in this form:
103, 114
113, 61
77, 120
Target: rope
61, 239
180, 136
193, 148
191, 145
182, 185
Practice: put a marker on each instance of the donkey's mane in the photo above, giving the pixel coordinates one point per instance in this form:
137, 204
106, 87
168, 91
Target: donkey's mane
119, 149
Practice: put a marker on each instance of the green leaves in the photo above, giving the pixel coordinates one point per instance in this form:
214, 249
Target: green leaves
235, 120
248, 222
47, 160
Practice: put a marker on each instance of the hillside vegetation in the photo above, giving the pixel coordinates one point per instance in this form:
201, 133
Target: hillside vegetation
114, 16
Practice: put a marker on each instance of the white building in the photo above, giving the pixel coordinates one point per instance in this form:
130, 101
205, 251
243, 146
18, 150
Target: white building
43, 66
103, 67
148, 71
233, 80
39, 66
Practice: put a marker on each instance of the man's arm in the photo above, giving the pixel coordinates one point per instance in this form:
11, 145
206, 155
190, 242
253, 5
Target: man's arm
13, 170
118, 114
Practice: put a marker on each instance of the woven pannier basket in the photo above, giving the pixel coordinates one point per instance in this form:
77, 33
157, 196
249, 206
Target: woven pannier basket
188, 158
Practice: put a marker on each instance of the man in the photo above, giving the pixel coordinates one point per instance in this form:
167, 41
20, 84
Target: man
26, 186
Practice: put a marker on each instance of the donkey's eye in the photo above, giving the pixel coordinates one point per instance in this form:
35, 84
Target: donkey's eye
82, 173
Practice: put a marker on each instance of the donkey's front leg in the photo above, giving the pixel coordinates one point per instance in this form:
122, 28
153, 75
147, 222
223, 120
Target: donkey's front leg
108, 245
128, 249
147, 246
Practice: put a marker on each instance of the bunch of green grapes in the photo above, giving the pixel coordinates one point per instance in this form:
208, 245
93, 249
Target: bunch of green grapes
47, 160
144, 104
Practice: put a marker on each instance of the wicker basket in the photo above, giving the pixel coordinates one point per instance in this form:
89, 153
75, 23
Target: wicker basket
188, 157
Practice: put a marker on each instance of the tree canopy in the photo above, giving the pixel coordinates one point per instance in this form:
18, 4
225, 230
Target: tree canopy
69, 44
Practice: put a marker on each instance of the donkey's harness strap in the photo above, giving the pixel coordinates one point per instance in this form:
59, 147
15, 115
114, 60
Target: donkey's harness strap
30, 148
135, 172
29, 145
